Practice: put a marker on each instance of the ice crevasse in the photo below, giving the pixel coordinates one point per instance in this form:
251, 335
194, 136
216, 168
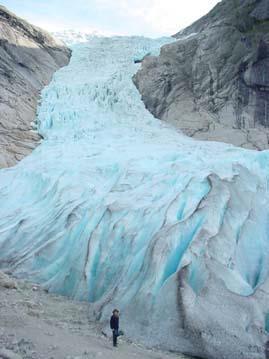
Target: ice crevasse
118, 208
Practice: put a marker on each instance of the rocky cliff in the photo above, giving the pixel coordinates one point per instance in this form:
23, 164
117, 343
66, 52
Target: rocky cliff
213, 81
28, 59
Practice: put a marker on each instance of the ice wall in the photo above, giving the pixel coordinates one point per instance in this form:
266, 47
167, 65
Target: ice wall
118, 208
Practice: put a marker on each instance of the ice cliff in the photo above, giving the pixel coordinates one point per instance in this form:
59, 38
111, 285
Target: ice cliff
118, 208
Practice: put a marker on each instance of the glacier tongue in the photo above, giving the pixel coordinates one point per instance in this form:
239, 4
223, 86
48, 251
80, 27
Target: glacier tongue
117, 208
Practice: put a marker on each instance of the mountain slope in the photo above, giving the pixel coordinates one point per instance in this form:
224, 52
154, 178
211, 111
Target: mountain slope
213, 82
28, 59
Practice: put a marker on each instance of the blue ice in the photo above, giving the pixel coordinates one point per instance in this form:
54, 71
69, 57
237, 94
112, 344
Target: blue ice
114, 202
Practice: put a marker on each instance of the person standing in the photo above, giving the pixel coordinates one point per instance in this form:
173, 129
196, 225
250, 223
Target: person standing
114, 325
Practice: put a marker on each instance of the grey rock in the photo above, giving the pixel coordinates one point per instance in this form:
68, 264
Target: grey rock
213, 81
28, 58
7, 282
261, 11
8, 354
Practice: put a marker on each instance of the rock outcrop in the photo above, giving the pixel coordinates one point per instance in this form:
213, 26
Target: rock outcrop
213, 81
28, 58
7, 282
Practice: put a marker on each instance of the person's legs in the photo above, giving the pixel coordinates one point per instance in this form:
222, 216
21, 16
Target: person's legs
115, 337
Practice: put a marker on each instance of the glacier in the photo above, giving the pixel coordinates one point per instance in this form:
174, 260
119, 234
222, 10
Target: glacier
120, 209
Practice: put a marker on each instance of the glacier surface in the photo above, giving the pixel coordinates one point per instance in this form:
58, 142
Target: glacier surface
119, 209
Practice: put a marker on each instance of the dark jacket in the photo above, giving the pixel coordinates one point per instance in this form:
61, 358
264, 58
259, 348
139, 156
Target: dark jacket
114, 323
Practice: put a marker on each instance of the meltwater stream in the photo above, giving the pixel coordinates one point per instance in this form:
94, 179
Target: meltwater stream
119, 209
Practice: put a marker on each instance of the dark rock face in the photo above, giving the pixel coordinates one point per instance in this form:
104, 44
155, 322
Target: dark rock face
28, 59
261, 11
213, 81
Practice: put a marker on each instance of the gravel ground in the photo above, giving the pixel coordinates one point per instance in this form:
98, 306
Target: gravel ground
38, 325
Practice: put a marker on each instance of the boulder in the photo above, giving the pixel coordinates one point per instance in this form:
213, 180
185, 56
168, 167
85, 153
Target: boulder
7, 282
8, 354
